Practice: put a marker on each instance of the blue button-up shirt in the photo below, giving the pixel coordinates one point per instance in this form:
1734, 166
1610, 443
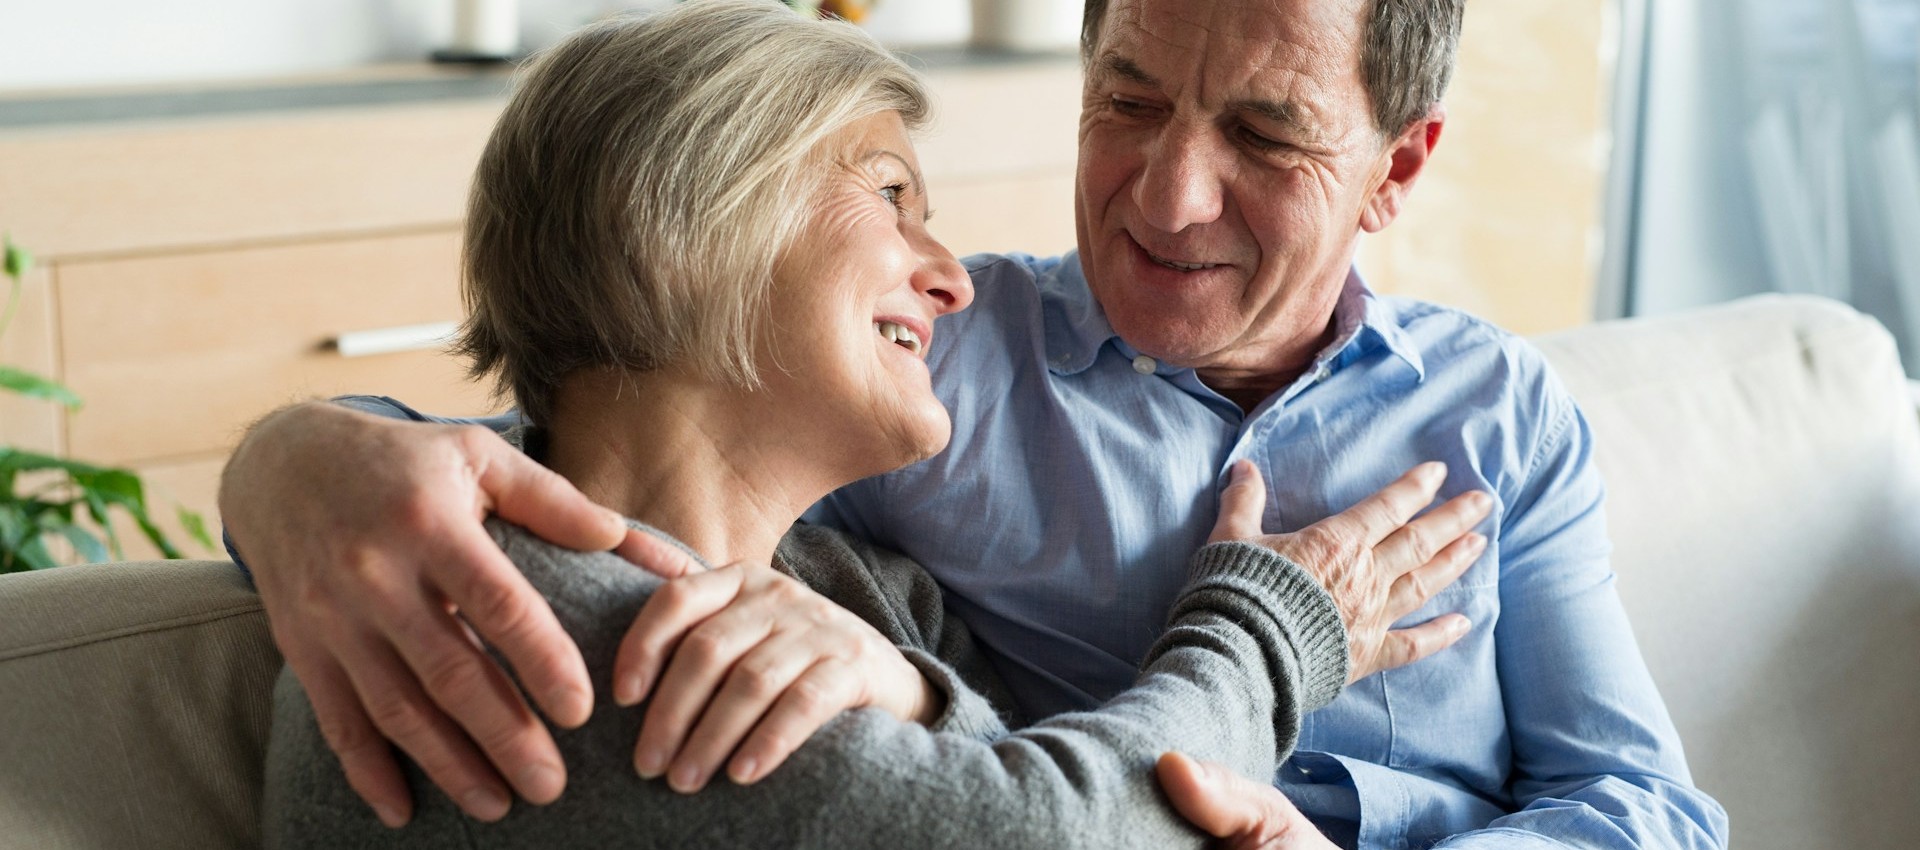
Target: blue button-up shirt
1082, 474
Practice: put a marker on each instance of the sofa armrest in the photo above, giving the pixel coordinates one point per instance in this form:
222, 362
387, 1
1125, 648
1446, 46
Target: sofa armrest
136, 706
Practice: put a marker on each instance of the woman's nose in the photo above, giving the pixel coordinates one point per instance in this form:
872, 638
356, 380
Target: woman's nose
942, 278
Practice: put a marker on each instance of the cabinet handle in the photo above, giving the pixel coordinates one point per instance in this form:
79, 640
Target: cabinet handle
392, 340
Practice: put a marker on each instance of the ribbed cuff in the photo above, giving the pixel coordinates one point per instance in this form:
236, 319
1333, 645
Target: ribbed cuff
967, 712
1304, 610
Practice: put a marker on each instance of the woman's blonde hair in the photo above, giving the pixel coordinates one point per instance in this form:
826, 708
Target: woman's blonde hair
644, 179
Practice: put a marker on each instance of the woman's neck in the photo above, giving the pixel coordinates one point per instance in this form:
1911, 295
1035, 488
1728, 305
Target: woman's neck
689, 458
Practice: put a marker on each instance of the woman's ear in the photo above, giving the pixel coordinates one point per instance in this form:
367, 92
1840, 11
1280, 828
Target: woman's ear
1407, 157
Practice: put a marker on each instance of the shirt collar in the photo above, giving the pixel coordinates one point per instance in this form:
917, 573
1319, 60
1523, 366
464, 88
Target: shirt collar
1379, 324
1077, 328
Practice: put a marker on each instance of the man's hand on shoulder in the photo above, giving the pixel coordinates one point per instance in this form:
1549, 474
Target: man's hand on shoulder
1241, 813
364, 537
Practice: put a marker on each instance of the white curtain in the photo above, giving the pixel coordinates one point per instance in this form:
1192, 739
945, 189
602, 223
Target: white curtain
1769, 145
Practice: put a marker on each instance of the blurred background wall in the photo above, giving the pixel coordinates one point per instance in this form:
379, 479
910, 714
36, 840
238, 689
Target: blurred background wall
58, 43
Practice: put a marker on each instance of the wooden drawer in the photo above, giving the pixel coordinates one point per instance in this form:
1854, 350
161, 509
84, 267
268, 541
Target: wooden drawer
89, 190
27, 343
176, 354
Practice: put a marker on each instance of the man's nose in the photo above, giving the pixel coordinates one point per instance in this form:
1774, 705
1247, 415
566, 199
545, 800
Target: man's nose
1182, 182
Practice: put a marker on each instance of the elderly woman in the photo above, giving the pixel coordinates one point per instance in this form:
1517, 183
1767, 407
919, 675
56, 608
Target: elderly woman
697, 256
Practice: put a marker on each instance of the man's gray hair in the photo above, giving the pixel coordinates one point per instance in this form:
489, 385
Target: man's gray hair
1406, 58
643, 181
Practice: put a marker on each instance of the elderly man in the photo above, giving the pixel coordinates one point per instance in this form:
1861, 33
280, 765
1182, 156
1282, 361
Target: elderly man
1231, 151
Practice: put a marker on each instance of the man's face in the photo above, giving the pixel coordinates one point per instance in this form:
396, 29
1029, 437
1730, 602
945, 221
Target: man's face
1227, 158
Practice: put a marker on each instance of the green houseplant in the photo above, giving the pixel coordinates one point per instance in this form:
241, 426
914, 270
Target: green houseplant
44, 498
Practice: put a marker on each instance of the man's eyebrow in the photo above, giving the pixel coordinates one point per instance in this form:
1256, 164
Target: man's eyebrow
1127, 69
1286, 113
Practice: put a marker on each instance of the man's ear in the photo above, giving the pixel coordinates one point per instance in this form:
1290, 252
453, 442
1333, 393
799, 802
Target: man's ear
1407, 158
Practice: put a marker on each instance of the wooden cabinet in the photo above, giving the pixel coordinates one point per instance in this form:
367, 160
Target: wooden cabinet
177, 353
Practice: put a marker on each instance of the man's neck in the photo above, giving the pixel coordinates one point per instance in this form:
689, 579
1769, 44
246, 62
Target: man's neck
1249, 378
674, 453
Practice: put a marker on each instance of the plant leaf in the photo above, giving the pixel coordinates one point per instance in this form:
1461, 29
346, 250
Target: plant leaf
154, 534
23, 461
97, 508
196, 527
86, 544
14, 527
34, 553
18, 261
34, 386
117, 486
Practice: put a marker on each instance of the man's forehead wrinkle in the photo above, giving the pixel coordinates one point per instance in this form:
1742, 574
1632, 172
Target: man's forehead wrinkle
1265, 59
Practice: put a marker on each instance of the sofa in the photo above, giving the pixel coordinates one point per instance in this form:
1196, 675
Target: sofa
1763, 464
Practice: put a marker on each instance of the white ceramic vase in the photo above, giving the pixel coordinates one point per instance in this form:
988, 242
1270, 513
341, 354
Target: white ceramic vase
1027, 25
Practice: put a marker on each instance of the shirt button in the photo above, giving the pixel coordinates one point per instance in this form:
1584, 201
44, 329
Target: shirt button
1144, 365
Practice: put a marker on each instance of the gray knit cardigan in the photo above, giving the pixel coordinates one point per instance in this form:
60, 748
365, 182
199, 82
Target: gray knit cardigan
1251, 643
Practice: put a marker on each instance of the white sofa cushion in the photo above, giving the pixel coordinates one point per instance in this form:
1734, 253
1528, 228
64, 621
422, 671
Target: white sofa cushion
1763, 467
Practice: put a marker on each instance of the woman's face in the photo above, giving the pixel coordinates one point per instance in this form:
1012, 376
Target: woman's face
854, 305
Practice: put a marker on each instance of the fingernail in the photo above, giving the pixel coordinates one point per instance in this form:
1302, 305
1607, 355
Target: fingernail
1479, 501
1433, 471
485, 804
650, 764
685, 779
542, 784
746, 770
626, 691
390, 816
1460, 626
1476, 543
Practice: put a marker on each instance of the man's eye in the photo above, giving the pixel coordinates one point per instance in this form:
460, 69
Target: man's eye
1259, 142
1130, 107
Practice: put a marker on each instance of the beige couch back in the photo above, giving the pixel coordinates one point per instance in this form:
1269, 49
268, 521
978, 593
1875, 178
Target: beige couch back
1764, 466
133, 706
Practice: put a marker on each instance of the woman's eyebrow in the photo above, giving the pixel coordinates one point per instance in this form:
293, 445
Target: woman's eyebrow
918, 183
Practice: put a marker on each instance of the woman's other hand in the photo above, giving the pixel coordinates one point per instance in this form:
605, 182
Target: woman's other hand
747, 661
1378, 561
